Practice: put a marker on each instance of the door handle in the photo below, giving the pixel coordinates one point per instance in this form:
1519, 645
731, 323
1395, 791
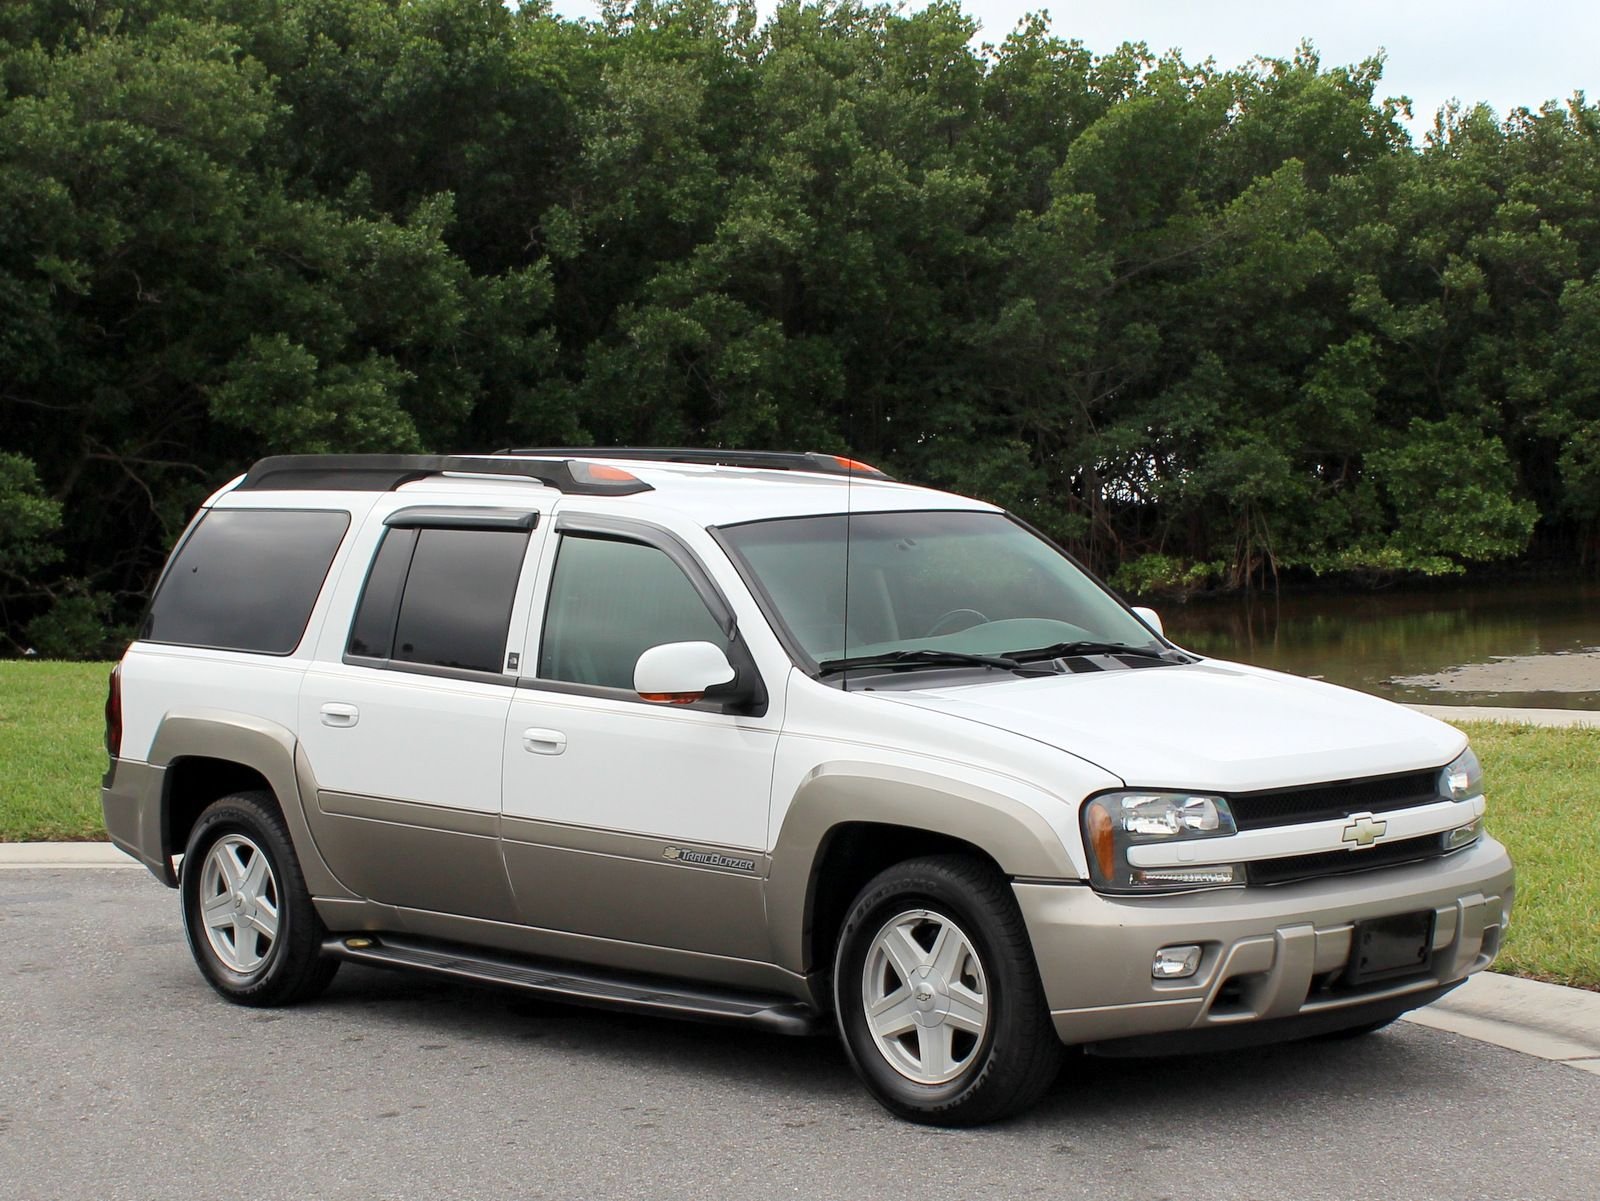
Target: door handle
340, 716
543, 742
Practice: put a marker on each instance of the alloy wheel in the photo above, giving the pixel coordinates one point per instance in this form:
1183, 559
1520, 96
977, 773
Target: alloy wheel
239, 903
925, 996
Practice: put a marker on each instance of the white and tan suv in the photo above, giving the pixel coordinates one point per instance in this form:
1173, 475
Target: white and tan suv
770, 738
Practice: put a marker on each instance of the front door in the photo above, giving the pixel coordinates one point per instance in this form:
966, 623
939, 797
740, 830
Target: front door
623, 819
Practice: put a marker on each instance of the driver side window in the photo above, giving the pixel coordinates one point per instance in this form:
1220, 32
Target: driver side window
610, 601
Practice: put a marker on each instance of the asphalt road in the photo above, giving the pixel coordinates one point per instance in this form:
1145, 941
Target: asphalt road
123, 1076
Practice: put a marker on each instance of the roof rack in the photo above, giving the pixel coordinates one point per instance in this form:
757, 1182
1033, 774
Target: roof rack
385, 473
779, 460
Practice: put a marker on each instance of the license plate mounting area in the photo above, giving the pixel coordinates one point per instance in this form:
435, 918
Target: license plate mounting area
1387, 948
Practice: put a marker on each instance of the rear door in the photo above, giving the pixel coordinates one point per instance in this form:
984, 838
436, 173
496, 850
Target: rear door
401, 720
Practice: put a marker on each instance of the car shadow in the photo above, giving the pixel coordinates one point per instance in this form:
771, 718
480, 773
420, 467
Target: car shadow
1262, 1085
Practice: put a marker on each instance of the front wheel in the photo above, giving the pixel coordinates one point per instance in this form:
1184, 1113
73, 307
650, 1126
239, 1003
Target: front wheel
251, 925
938, 998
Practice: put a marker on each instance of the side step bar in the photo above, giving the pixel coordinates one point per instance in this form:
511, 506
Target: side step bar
579, 986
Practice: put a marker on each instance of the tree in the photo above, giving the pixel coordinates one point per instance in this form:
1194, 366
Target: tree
1207, 326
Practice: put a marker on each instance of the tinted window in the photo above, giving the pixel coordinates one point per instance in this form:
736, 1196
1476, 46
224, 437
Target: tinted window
456, 607
973, 582
246, 580
372, 633
611, 601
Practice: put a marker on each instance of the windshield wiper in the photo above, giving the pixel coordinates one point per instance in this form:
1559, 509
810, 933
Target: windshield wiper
1059, 650
922, 658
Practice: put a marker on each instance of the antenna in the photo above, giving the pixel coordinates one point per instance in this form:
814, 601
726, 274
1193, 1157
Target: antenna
849, 516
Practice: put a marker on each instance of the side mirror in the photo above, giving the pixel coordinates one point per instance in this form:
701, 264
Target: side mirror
680, 673
1150, 618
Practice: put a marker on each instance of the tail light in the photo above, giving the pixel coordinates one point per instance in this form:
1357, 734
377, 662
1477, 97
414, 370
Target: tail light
114, 713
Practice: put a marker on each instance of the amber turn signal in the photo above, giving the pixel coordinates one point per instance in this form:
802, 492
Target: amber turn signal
1103, 842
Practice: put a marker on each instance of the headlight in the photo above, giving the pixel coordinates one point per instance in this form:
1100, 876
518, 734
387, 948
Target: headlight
1115, 821
1463, 779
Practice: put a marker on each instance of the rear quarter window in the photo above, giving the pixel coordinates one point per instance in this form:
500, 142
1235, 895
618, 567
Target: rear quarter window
246, 580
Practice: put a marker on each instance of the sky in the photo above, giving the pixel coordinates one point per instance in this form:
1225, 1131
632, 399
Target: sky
1505, 53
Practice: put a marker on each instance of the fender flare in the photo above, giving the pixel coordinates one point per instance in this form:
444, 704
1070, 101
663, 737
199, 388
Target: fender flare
1016, 836
256, 743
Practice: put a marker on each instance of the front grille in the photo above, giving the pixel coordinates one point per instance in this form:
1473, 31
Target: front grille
1324, 802
1293, 868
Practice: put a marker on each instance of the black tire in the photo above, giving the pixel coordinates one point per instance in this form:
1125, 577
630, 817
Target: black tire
1018, 1055
291, 966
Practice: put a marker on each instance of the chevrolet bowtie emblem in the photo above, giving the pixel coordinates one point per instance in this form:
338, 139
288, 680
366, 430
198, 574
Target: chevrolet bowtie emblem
1363, 831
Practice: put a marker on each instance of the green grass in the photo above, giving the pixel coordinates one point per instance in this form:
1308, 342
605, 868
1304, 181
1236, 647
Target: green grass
52, 750
1543, 785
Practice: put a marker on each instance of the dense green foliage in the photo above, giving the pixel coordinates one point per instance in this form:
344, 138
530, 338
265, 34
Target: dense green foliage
1203, 325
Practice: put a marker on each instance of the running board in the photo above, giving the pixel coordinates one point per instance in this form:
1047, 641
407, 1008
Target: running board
579, 986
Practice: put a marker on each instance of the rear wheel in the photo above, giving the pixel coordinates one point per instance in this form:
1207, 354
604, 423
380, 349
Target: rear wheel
937, 996
251, 925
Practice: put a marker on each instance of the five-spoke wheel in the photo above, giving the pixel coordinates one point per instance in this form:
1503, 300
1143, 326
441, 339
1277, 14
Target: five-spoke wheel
239, 901
251, 925
925, 996
937, 995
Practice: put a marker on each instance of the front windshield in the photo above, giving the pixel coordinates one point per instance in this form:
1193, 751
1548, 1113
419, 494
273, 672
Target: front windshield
948, 581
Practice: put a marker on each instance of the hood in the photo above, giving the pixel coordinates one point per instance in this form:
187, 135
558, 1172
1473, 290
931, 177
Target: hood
1208, 725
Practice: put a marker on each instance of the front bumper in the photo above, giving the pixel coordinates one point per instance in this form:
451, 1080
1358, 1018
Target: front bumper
1269, 953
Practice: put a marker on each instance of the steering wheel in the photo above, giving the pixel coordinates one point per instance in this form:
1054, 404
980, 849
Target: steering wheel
937, 627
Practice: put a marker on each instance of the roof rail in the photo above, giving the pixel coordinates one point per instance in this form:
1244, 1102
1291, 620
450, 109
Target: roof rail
781, 460
385, 473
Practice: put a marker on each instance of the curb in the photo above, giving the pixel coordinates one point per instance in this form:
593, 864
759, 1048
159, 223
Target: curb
1549, 1021
1568, 718
64, 854
1546, 1020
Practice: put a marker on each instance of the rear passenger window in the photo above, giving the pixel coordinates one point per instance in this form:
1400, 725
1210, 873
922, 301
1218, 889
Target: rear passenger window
372, 634
246, 580
440, 598
610, 601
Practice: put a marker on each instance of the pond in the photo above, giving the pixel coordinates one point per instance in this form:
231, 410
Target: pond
1534, 645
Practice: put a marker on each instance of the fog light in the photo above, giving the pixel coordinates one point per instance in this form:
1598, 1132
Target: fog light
1175, 963
1463, 835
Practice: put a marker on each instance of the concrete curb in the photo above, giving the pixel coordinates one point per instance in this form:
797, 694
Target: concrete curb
1547, 1020
63, 854
1582, 718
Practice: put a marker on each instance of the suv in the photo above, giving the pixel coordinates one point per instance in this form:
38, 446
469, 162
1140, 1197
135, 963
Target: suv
772, 739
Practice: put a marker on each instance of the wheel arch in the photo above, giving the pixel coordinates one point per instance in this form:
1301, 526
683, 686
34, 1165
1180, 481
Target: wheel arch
208, 754
190, 784
849, 821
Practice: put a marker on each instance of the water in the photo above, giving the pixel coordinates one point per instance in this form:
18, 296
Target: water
1371, 641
